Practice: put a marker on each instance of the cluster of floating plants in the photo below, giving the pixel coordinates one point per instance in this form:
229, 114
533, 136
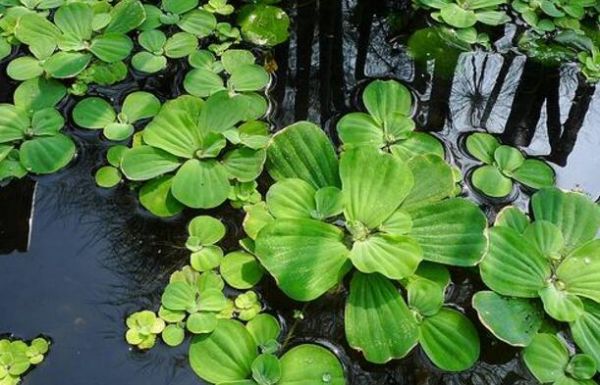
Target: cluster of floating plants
17, 357
552, 31
233, 341
385, 210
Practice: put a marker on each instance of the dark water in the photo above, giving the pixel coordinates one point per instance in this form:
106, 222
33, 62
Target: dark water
77, 259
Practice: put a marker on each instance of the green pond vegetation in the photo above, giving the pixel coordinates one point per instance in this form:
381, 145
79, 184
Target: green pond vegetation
383, 212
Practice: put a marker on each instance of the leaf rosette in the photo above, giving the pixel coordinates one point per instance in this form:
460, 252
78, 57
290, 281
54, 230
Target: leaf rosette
369, 210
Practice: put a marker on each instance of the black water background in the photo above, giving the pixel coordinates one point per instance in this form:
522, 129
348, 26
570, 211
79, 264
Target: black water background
93, 256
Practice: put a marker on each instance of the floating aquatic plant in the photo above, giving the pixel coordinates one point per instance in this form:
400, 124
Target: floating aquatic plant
548, 262
143, 327
190, 136
388, 124
157, 48
548, 359
96, 113
17, 357
504, 164
377, 213
548, 15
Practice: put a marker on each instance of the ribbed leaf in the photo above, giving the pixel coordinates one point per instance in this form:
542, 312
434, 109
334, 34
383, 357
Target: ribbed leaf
75, 20
427, 168
513, 266
198, 22
513, 217
512, 320
244, 164
309, 365
13, 123
450, 232
201, 184
47, 155
303, 151
360, 129
586, 330
377, 320
546, 357
145, 162
111, 48
580, 271
450, 340
535, 174
156, 197
374, 184
125, 16
306, 257
291, 198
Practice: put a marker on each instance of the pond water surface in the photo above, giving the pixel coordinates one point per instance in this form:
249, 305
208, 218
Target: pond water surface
76, 259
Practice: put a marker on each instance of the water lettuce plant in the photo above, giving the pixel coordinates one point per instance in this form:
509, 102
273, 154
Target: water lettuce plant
17, 357
502, 165
463, 16
96, 113
548, 15
158, 47
110, 175
143, 327
388, 124
30, 132
372, 211
190, 137
263, 24
549, 360
548, 262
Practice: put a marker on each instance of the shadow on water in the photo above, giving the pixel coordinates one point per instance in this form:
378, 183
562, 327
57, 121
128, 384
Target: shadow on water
78, 259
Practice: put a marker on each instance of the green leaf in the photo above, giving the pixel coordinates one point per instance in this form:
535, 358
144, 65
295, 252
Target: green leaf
311, 364
577, 216
582, 367
212, 116
64, 65
118, 131
257, 217
511, 216
200, 323
546, 237
450, 232
126, 16
111, 48
263, 24
108, 177
306, 257
360, 129
179, 296
140, 105
266, 369
546, 357
175, 128
46, 122
180, 45
561, 305
380, 339
5, 48
24, 68
418, 143
513, 266
482, 146
580, 271
241, 270
249, 77
385, 100
201, 184
586, 330
173, 335
535, 174
93, 113
39, 93
450, 340
115, 154
374, 184
234, 59
508, 159
198, 22
425, 296
427, 168
458, 17
207, 258
179, 7
515, 321
38, 33
13, 123
395, 257
291, 198
244, 164
145, 162
226, 354
152, 40
75, 20
264, 328
303, 151
47, 155
148, 62
206, 229
202, 82
155, 195
493, 18
329, 202
491, 182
